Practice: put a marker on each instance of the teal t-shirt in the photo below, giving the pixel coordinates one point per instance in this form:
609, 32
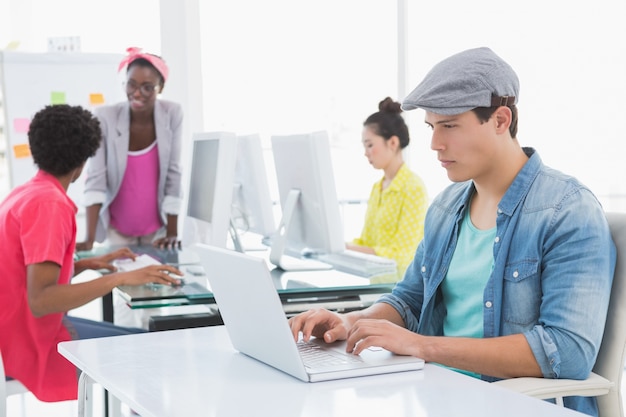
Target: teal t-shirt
465, 281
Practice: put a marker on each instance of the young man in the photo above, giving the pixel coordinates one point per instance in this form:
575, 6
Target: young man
514, 273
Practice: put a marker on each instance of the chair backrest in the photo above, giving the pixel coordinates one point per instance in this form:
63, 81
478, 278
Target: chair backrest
610, 362
7, 388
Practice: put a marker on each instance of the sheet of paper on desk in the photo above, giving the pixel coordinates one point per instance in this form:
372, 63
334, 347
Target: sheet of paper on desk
125, 265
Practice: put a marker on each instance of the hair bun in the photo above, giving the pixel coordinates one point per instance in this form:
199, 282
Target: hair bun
389, 106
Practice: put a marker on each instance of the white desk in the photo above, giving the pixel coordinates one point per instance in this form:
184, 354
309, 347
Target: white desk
196, 372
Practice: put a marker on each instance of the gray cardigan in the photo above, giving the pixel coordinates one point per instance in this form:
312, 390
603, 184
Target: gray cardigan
106, 168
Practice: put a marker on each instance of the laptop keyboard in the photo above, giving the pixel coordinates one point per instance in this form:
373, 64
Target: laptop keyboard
315, 356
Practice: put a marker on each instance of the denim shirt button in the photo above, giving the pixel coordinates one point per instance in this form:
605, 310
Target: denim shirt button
488, 304
515, 274
423, 269
497, 239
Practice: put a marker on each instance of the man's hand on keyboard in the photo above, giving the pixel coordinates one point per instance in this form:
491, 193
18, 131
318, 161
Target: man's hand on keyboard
320, 323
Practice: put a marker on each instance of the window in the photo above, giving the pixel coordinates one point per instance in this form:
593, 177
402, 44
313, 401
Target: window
571, 62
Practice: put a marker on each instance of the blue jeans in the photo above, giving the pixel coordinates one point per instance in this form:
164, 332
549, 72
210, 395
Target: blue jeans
90, 329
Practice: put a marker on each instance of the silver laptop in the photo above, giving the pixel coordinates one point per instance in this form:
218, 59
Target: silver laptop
249, 304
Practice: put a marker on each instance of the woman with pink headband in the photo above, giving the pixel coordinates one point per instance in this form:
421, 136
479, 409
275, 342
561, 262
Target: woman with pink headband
133, 186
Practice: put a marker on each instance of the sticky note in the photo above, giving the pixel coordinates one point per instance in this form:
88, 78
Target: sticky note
21, 151
96, 98
21, 125
57, 97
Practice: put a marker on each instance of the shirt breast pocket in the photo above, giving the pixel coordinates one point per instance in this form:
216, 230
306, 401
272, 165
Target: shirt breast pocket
521, 295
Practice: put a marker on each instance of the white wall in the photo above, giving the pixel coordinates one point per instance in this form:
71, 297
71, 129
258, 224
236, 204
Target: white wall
571, 61
280, 66
103, 26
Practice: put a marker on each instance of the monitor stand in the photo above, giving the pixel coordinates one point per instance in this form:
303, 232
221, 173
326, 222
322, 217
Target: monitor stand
235, 237
279, 242
245, 242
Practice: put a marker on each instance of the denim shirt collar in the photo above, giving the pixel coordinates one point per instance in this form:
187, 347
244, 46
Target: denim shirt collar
516, 191
522, 183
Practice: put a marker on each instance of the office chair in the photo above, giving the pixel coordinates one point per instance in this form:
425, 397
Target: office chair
605, 380
8, 388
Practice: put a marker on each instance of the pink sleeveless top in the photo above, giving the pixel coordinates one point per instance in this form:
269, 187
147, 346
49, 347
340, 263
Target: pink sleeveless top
135, 209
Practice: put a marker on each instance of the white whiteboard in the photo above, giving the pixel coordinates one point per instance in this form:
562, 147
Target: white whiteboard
30, 81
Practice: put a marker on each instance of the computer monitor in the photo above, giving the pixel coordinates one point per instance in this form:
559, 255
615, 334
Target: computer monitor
252, 209
209, 195
311, 220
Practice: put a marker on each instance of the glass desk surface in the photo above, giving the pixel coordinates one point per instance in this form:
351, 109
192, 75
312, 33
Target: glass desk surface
174, 257
292, 286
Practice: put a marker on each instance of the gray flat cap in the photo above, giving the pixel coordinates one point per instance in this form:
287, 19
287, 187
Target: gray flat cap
473, 78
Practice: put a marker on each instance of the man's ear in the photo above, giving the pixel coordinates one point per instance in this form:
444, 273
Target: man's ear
503, 117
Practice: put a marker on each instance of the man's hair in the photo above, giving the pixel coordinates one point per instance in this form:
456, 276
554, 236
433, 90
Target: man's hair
63, 137
485, 113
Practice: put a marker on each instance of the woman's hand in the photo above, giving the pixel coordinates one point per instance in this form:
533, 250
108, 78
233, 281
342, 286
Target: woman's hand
155, 274
84, 246
167, 242
104, 261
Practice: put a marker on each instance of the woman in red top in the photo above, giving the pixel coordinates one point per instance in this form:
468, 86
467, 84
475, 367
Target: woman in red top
38, 235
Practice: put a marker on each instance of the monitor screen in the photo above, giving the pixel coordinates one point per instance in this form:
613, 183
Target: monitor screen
210, 189
202, 179
252, 209
311, 222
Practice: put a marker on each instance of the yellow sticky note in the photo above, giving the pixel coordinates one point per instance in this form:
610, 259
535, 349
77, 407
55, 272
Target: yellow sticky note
21, 151
96, 98
57, 97
21, 125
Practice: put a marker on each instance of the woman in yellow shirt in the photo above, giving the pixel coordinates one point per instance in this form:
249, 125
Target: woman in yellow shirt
394, 221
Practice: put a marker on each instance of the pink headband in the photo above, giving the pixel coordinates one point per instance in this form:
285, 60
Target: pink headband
135, 53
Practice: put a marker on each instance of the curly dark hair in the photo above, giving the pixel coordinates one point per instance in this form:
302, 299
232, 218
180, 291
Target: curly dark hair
388, 122
63, 137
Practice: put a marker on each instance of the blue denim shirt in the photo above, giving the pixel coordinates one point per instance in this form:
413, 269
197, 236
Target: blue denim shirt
553, 269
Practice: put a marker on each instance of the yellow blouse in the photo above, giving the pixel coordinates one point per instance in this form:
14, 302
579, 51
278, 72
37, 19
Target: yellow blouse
394, 220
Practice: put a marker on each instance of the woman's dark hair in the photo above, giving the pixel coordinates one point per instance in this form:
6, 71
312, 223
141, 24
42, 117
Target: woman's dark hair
142, 62
485, 113
63, 137
388, 122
